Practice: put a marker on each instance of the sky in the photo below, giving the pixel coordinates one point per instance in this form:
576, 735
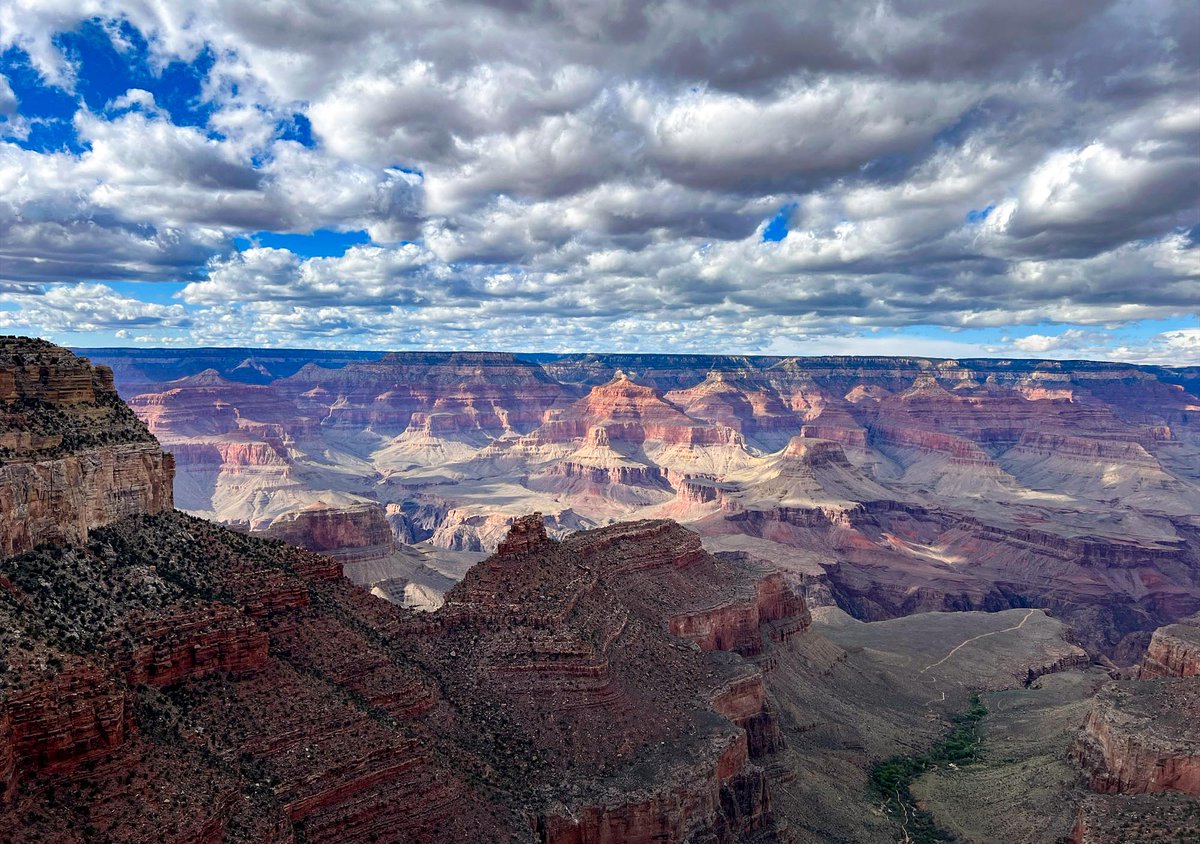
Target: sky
816, 177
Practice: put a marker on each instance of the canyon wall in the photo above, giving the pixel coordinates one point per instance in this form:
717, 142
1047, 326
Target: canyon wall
917, 484
72, 456
164, 678
1174, 651
1143, 736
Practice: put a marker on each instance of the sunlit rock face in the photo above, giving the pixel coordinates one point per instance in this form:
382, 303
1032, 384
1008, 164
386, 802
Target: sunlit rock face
72, 456
912, 484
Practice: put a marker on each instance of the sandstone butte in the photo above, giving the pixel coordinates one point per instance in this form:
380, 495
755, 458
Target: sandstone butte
903, 485
163, 678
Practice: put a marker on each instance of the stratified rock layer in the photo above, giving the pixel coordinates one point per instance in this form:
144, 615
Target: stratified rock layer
1174, 651
547, 696
916, 484
72, 456
1143, 736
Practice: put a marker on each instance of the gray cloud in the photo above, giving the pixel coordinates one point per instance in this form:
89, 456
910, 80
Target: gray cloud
576, 166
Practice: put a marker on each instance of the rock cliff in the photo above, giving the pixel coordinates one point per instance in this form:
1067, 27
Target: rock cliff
1174, 651
72, 455
1143, 736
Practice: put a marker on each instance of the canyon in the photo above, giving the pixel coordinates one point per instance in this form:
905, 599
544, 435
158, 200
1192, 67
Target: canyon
885, 486
163, 677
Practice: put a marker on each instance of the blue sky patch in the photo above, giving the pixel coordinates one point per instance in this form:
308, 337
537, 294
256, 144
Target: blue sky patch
161, 292
48, 109
106, 72
323, 243
298, 129
978, 216
777, 229
103, 73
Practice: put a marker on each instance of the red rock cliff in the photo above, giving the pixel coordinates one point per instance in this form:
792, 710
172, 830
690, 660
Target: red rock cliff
1174, 651
72, 456
1143, 736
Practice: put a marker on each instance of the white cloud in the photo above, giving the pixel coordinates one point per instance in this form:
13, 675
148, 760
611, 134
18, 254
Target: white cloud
84, 308
553, 174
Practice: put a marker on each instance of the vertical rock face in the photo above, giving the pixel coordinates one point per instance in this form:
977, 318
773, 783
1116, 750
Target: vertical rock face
72, 455
1143, 736
1174, 651
320, 527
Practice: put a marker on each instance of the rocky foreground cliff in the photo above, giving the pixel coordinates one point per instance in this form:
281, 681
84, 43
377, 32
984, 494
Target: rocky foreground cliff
172, 680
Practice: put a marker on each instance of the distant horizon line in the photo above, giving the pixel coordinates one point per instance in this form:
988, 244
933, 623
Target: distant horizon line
614, 354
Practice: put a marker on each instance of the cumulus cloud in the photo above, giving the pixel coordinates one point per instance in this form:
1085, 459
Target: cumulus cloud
85, 308
553, 174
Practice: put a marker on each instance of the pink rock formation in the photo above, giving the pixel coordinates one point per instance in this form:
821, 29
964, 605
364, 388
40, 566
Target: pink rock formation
971, 484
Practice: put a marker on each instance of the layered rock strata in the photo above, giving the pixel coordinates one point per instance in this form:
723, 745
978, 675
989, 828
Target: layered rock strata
1174, 651
72, 455
1143, 736
977, 484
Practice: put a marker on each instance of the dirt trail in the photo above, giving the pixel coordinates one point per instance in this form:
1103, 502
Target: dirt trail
966, 642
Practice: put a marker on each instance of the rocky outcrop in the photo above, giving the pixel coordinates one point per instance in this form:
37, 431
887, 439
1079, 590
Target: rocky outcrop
61, 721
1143, 736
527, 533
719, 798
586, 625
320, 527
60, 500
737, 624
568, 692
72, 456
1174, 651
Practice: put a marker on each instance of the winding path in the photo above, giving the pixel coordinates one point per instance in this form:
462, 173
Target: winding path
977, 638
